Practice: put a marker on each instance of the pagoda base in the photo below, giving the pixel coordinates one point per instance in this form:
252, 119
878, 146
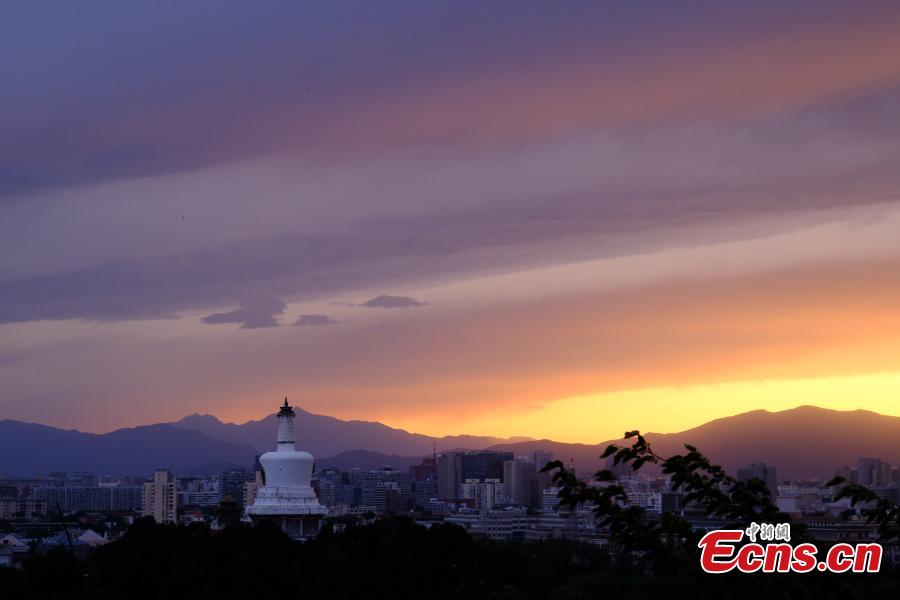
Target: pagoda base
295, 526
295, 509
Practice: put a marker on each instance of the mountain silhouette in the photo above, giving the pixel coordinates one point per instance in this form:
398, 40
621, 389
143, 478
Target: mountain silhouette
803, 442
28, 448
367, 461
325, 436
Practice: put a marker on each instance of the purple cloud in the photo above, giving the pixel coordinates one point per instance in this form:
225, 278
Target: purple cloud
385, 301
214, 88
260, 313
314, 320
156, 235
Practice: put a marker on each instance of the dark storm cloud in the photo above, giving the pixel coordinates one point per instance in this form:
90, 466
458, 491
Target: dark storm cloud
314, 321
262, 312
385, 301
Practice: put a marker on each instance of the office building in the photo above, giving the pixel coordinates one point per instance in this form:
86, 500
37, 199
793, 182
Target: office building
763, 472
161, 497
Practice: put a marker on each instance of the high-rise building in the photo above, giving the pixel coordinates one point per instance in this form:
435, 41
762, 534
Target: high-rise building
424, 492
867, 470
287, 497
387, 490
449, 470
761, 471
849, 475
232, 483
487, 493
54, 496
251, 486
22, 508
541, 458
73, 498
550, 499
483, 465
520, 484
161, 497
426, 470
455, 468
873, 471
333, 488
124, 498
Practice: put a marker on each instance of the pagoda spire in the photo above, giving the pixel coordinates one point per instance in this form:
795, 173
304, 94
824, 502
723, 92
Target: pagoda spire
285, 418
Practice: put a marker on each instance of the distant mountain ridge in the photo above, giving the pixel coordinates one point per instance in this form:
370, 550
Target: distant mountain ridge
801, 443
199, 444
367, 461
326, 436
27, 449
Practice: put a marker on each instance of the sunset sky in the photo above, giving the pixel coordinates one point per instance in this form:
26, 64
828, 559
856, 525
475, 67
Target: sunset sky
556, 220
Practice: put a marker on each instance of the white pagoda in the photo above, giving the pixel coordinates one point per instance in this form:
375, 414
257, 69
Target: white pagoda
286, 497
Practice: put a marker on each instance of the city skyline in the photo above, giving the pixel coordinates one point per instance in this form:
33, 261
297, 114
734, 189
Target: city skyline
546, 223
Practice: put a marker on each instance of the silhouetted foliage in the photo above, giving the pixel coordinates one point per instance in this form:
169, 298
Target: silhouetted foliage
879, 511
665, 543
391, 558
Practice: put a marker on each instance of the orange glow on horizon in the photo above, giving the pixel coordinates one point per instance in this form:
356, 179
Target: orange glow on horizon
580, 372
601, 417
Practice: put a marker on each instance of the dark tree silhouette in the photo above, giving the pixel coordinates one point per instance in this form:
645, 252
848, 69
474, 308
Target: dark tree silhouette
665, 543
879, 511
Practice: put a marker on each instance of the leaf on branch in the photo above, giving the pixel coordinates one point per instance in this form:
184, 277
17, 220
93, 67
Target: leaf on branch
611, 449
556, 464
604, 475
639, 462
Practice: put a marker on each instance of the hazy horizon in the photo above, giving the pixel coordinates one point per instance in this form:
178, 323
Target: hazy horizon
449, 217
613, 436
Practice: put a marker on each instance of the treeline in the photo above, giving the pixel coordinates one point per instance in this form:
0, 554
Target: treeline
391, 558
